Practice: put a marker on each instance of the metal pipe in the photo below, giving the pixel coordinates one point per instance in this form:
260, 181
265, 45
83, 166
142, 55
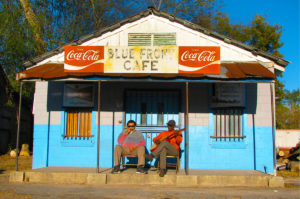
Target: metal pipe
187, 127
19, 123
98, 142
272, 88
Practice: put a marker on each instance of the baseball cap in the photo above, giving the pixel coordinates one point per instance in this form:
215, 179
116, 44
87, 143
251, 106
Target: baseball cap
171, 123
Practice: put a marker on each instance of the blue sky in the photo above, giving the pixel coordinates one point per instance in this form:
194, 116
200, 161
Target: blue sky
283, 12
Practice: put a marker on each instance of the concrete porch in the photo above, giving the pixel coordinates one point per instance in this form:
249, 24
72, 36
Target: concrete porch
203, 178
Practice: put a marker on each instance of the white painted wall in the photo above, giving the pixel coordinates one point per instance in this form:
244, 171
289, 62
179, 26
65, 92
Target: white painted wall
185, 37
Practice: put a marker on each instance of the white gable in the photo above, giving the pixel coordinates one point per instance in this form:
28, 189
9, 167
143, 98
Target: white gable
184, 37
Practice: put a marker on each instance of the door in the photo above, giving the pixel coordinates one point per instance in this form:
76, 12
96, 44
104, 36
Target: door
152, 109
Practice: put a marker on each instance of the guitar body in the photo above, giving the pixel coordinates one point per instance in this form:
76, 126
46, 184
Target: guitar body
153, 147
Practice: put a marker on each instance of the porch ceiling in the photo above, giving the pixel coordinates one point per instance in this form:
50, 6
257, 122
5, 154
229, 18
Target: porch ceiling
234, 71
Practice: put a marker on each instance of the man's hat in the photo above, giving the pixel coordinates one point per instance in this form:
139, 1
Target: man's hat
171, 123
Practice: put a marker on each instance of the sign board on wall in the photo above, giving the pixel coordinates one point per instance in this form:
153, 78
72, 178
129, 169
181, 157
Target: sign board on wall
228, 95
84, 59
199, 59
143, 59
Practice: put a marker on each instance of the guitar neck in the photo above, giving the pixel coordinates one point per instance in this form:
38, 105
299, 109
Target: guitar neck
167, 136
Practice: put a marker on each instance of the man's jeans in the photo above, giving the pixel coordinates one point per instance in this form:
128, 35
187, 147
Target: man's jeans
163, 150
139, 152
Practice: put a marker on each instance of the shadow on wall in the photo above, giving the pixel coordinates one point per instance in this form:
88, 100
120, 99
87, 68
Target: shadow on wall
113, 93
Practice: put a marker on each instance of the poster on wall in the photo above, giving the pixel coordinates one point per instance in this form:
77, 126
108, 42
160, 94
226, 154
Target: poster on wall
78, 95
228, 95
85, 59
199, 59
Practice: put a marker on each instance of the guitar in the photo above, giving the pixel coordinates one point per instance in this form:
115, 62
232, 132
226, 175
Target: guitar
154, 146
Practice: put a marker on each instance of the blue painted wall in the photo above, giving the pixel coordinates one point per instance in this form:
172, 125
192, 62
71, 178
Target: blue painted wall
204, 152
51, 149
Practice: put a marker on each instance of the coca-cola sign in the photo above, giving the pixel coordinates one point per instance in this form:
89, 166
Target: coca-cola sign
199, 59
84, 59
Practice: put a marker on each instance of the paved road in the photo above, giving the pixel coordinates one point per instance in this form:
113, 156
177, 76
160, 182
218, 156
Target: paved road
46, 191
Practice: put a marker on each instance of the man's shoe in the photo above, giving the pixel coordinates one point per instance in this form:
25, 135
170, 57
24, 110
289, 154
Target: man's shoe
141, 170
149, 156
162, 172
116, 169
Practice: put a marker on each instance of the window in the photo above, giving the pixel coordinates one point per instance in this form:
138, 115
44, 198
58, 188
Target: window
228, 124
78, 122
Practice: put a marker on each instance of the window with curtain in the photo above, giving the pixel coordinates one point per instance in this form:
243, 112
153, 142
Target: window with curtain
78, 122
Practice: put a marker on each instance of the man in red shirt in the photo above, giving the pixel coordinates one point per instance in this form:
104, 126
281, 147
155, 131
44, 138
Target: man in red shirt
168, 144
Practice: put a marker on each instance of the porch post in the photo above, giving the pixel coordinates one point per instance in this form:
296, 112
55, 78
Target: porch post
19, 123
187, 127
98, 141
272, 89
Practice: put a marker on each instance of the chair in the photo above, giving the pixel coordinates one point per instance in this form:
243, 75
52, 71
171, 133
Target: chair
176, 165
129, 164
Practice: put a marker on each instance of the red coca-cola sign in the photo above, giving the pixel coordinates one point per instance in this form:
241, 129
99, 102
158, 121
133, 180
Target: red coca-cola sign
199, 59
84, 59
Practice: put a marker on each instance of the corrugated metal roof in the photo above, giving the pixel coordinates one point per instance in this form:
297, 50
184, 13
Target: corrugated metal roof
153, 11
233, 71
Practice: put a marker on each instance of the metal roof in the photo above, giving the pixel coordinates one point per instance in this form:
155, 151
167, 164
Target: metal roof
153, 11
233, 71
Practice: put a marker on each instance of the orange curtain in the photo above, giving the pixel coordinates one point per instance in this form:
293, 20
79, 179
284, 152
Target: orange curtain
72, 124
79, 122
85, 124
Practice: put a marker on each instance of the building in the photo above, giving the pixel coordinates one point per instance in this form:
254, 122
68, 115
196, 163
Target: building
153, 67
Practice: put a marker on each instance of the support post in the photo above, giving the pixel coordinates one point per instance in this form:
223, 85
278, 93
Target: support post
18, 128
98, 141
187, 128
272, 89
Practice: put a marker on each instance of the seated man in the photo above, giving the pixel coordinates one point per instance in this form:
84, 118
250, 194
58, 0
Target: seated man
130, 142
168, 144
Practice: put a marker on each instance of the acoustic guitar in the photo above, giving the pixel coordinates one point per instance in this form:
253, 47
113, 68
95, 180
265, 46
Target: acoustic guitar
154, 146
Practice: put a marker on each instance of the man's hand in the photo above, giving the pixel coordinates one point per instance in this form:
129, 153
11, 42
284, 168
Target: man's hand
132, 148
127, 132
176, 133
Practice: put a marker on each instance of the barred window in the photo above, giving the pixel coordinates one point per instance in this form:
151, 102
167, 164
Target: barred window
228, 124
78, 122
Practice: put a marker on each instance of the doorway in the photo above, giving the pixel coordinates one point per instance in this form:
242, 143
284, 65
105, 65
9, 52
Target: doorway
152, 109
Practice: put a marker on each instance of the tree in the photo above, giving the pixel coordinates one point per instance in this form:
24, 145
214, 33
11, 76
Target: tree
35, 25
291, 103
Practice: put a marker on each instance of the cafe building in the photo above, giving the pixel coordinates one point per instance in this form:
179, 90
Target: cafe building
151, 68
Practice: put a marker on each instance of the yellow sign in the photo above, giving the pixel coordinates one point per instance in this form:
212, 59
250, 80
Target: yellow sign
141, 59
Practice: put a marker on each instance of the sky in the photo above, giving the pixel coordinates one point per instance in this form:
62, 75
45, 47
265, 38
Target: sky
283, 12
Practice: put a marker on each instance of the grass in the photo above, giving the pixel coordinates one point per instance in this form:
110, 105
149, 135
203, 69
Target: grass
8, 163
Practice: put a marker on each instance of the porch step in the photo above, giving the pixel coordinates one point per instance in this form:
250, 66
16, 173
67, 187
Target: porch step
152, 178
